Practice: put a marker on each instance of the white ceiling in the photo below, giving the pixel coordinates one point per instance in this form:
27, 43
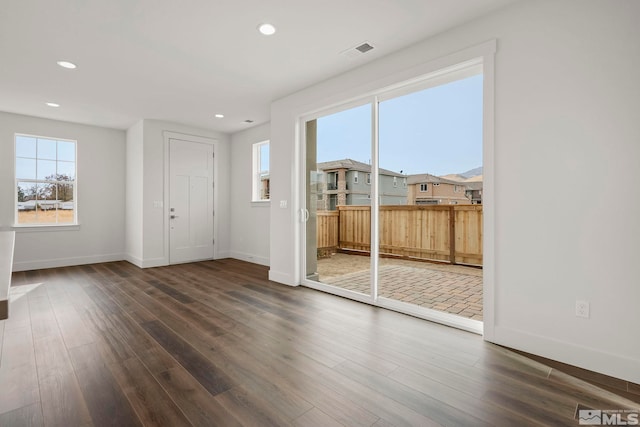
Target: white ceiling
184, 61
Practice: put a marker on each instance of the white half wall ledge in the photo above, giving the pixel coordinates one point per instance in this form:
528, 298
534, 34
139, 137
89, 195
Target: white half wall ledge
7, 243
283, 278
66, 262
252, 258
611, 364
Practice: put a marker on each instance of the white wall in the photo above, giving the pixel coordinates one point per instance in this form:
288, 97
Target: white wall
134, 193
100, 195
566, 118
154, 218
249, 221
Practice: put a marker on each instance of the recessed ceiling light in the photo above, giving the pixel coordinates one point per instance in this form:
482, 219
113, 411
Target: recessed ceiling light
219, 116
53, 104
67, 64
267, 29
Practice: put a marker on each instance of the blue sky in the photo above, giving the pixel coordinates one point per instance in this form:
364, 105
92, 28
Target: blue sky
39, 158
436, 131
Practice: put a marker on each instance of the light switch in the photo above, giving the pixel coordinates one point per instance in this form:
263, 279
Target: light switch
283, 204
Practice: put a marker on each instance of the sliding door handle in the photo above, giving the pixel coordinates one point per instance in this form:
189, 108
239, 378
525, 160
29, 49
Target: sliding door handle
304, 215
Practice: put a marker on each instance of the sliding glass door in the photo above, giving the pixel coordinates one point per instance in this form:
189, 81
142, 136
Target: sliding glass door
338, 179
393, 198
429, 229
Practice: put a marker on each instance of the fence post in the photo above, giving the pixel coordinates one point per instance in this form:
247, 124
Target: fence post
338, 229
452, 235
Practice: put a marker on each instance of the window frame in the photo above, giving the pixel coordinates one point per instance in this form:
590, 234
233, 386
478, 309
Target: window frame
74, 183
355, 177
426, 187
257, 172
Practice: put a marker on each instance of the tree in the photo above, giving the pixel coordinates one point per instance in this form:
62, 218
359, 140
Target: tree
31, 193
20, 194
59, 191
46, 191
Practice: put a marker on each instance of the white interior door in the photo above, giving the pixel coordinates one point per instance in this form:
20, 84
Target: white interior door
190, 201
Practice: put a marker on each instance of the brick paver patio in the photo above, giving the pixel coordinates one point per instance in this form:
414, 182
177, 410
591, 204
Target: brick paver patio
450, 288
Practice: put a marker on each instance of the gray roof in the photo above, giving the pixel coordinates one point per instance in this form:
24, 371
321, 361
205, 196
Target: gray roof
423, 178
353, 165
474, 185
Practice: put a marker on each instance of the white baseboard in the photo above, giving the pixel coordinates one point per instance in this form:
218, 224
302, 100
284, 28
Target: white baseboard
133, 260
583, 357
154, 262
65, 262
284, 278
223, 255
249, 258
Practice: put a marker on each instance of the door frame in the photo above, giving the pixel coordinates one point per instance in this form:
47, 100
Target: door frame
435, 74
167, 137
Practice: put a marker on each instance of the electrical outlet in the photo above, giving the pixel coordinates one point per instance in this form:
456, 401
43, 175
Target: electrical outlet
582, 309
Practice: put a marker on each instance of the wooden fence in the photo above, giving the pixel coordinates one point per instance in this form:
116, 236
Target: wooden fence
450, 233
327, 232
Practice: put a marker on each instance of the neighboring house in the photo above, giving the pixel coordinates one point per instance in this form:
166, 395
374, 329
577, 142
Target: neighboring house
474, 192
348, 182
67, 206
29, 205
44, 205
427, 189
265, 187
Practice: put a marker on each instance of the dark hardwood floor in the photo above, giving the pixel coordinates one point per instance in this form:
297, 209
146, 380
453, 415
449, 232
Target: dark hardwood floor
216, 343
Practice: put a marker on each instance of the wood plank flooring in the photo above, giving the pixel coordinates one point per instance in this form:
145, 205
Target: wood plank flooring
216, 343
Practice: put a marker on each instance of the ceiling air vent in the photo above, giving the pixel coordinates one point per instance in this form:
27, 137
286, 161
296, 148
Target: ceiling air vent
364, 48
356, 51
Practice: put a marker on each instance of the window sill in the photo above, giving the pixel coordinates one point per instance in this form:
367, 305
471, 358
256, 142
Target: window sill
260, 203
38, 228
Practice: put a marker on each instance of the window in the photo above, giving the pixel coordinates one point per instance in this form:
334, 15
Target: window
424, 187
369, 178
355, 177
395, 181
261, 188
457, 188
404, 182
332, 181
45, 181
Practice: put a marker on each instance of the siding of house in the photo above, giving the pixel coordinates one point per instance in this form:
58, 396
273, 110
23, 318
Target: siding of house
338, 186
360, 192
443, 193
